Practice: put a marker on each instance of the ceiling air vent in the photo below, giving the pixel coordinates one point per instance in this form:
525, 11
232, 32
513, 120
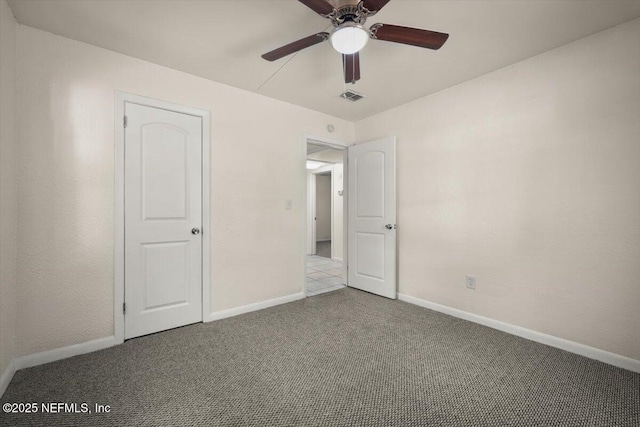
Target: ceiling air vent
352, 95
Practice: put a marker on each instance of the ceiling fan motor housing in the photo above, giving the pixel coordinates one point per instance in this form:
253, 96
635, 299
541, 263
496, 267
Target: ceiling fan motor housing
349, 11
349, 35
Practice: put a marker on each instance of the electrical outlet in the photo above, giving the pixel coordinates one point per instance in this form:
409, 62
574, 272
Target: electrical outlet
471, 282
288, 204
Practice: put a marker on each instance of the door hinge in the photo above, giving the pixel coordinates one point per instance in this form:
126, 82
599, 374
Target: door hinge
124, 308
124, 121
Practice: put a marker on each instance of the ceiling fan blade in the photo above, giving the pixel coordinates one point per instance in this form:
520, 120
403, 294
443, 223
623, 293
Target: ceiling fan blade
295, 46
406, 35
318, 6
351, 66
374, 5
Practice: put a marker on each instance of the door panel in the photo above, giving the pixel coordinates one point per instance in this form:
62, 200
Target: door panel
163, 202
166, 278
370, 255
372, 217
164, 176
370, 190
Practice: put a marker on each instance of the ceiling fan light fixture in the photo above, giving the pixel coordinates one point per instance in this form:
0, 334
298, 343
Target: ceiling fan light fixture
349, 38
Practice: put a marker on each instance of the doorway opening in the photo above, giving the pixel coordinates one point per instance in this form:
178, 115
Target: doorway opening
324, 214
325, 260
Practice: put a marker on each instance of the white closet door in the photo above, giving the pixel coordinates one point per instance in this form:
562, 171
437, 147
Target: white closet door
372, 217
163, 216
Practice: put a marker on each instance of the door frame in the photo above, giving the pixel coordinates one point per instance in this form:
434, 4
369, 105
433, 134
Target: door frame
119, 239
322, 170
336, 145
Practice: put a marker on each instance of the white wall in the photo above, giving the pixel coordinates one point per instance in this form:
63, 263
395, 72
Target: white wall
529, 179
323, 207
66, 138
8, 187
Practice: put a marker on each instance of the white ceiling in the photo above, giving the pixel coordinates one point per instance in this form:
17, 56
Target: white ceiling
223, 41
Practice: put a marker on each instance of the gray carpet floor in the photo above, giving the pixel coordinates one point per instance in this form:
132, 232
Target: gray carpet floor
345, 358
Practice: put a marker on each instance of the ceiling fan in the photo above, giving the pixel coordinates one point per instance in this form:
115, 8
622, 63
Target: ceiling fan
349, 35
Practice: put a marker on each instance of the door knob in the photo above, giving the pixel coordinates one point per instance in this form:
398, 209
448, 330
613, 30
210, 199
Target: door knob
195, 231
388, 227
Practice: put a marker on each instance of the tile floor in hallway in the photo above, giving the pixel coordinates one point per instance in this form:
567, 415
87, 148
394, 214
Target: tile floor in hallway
323, 275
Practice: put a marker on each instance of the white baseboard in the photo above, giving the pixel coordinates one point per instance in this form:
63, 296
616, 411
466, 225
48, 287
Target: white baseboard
41, 358
570, 346
7, 375
36, 359
217, 315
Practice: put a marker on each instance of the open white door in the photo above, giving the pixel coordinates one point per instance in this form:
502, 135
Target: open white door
372, 217
163, 219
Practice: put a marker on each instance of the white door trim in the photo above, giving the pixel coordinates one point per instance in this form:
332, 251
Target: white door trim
118, 295
313, 188
337, 145
311, 213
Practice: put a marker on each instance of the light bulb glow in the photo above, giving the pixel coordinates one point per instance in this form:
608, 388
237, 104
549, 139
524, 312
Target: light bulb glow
349, 38
314, 165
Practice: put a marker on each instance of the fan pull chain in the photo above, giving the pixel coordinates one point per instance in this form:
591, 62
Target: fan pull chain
277, 71
283, 65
